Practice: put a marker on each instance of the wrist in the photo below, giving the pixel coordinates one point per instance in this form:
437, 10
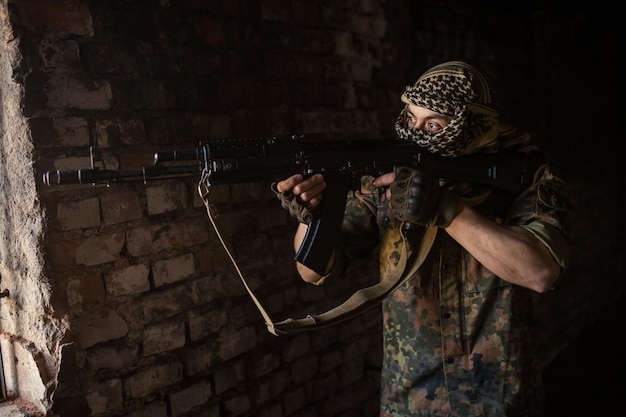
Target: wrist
449, 208
460, 206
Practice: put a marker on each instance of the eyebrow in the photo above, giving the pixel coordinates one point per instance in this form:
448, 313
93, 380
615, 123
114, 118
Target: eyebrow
432, 117
439, 116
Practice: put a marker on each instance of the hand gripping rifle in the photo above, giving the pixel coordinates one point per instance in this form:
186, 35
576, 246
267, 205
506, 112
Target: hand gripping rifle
342, 163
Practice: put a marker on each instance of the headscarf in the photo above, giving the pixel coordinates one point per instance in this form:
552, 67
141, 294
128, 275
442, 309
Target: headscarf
459, 91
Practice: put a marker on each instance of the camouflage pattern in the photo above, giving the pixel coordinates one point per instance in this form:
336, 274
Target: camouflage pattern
458, 340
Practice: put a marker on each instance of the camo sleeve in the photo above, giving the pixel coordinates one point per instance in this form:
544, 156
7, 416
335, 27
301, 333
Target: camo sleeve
359, 232
543, 211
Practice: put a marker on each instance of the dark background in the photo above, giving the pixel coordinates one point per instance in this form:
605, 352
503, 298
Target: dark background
183, 71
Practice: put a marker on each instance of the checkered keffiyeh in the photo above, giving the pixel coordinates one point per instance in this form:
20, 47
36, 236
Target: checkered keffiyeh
459, 91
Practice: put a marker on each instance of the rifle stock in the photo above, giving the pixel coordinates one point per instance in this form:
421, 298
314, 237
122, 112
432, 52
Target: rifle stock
343, 163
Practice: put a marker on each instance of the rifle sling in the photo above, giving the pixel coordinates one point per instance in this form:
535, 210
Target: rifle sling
359, 302
365, 298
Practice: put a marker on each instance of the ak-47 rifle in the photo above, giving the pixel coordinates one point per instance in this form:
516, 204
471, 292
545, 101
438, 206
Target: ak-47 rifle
342, 163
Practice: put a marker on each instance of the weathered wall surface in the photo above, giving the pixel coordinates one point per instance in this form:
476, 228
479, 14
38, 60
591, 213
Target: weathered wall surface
159, 321
30, 332
124, 297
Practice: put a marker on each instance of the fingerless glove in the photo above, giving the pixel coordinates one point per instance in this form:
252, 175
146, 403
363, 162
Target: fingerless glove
418, 199
296, 207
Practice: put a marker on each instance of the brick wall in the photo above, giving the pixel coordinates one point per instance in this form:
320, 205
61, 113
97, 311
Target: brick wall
145, 314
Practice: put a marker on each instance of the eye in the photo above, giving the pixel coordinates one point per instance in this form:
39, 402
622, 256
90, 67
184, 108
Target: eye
411, 121
434, 127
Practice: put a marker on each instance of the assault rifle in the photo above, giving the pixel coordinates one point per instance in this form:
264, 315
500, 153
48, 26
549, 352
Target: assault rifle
342, 163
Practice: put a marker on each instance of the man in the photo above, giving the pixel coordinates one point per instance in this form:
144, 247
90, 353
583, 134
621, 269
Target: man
458, 335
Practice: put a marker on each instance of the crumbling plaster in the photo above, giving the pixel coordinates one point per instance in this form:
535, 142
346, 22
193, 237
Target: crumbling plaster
31, 333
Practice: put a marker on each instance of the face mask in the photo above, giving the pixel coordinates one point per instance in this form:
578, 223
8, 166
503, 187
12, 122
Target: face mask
460, 92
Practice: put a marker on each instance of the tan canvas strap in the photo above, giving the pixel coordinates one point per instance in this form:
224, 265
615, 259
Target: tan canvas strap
203, 190
359, 302
365, 298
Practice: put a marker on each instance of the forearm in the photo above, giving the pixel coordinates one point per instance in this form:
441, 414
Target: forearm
306, 273
510, 252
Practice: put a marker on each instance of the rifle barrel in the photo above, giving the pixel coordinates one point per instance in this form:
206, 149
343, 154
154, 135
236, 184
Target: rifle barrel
107, 176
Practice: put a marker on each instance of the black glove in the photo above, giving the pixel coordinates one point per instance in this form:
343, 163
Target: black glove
418, 199
296, 207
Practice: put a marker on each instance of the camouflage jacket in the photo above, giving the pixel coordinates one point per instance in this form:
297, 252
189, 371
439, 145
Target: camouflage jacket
458, 340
